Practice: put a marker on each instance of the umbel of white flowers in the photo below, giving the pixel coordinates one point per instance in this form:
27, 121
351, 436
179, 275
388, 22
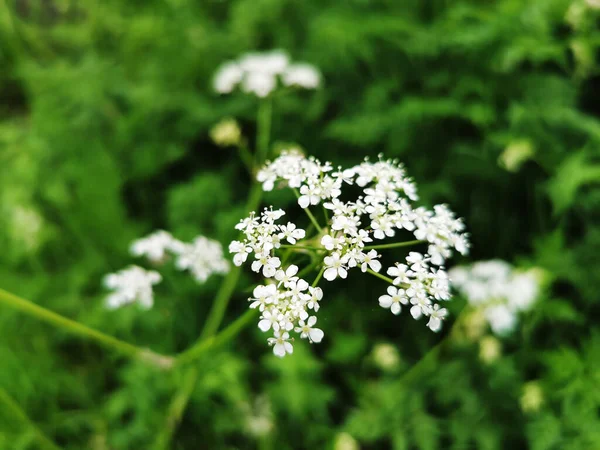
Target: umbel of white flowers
287, 301
498, 290
202, 258
261, 73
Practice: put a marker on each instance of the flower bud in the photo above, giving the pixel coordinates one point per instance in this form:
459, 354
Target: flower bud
490, 349
385, 356
532, 397
344, 441
226, 133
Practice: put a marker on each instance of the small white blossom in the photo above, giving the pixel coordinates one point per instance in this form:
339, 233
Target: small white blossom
393, 300
281, 344
155, 246
335, 267
308, 330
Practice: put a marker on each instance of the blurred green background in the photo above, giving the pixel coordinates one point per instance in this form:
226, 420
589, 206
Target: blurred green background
105, 113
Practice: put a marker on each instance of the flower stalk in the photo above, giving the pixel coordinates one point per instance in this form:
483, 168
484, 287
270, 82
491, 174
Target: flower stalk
110, 342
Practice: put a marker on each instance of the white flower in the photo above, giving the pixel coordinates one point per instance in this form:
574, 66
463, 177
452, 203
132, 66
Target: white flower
270, 319
227, 77
291, 233
241, 252
331, 243
316, 295
155, 245
203, 257
501, 319
310, 196
498, 290
335, 267
369, 261
286, 276
436, 315
263, 295
260, 74
130, 285
302, 75
393, 300
269, 264
307, 330
400, 273
281, 344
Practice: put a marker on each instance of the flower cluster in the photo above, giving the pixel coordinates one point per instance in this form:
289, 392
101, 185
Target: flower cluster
131, 285
382, 209
260, 74
202, 258
498, 290
285, 303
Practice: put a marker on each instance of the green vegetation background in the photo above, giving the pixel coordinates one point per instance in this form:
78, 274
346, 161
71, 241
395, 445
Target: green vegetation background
105, 112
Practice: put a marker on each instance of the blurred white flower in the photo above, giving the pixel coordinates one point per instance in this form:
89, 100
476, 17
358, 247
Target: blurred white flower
498, 291
302, 75
130, 285
203, 257
261, 73
155, 246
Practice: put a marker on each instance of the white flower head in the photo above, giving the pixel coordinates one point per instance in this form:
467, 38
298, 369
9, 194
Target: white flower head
382, 209
130, 285
261, 73
498, 290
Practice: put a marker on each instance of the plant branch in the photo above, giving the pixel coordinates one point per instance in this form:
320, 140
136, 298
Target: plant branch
214, 341
394, 245
378, 275
74, 327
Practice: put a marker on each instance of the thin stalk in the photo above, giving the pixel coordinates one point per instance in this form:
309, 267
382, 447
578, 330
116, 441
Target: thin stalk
309, 214
378, 275
221, 338
394, 245
318, 277
177, 408
246, 157
431, 356
207, 339
74, 327
263, 132
9, 404
306, 247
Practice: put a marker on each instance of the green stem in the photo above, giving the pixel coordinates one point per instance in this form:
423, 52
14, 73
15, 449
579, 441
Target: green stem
378, 275
307, 247
207, 337
107, 341
263, 132
246, 157
216, 314
213, 341
394, 245
177, 408
430, 358
318, 277
16, 411
308, 213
